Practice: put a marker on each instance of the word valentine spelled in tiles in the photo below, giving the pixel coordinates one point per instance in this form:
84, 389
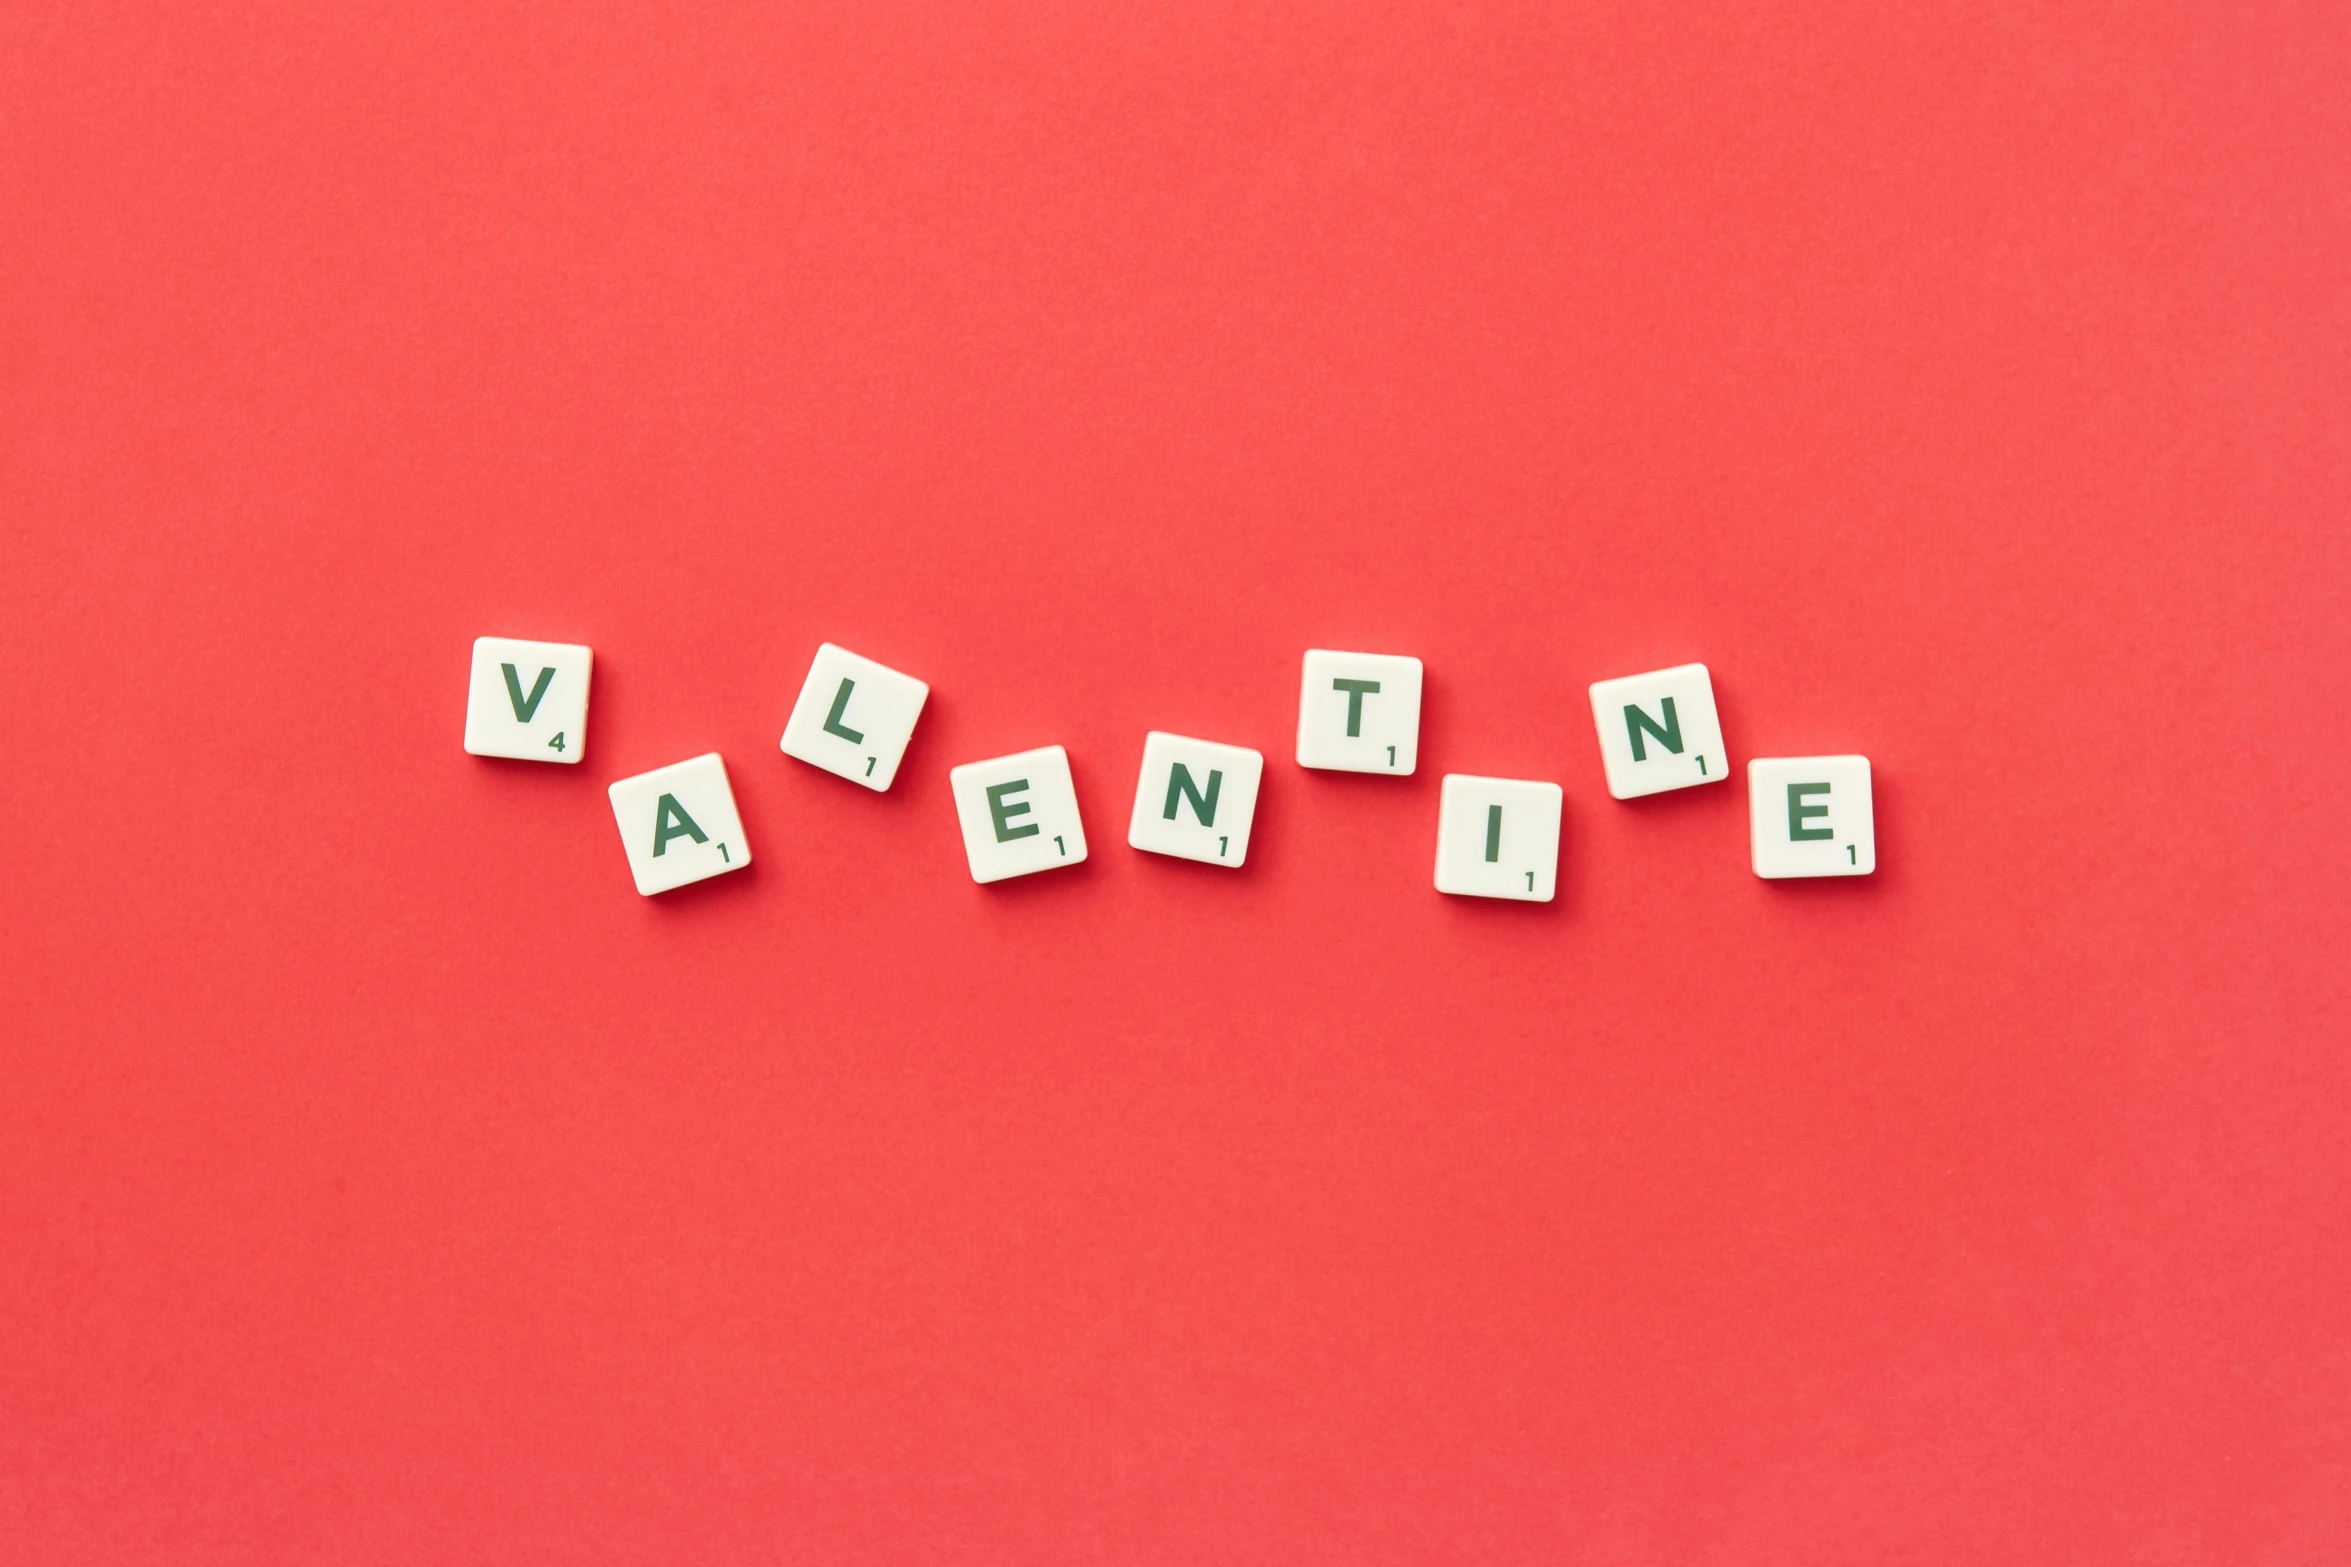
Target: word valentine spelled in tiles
1195, 799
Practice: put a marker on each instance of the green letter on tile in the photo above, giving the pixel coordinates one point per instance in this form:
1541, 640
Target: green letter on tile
1180, 787
1001, 811
1798, 810
832, 720
524, 706
1670, 736
671, 821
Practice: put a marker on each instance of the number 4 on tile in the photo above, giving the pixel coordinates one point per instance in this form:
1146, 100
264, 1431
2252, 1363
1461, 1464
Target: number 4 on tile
528, 700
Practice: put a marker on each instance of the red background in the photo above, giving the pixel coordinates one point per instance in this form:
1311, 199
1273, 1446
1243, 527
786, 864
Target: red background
383, 1180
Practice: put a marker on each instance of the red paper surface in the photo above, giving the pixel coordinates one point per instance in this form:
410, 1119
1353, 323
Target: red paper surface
383, 1180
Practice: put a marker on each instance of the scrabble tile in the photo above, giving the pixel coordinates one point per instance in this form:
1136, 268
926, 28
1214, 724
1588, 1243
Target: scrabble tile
678, 824
1359, 712
1498, 838
1195, 799
1811, 816
854, 717
1658, 731
1019, 814
527, 700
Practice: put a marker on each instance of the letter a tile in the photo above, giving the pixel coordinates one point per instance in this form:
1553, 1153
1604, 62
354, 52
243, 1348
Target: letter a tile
678, 824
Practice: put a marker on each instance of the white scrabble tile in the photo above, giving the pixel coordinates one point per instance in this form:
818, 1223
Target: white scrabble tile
1195, 799
1659, 731
679, 825
1019, 814
1359, 712
1498, 838
854, 717
527, 700
1811, 816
